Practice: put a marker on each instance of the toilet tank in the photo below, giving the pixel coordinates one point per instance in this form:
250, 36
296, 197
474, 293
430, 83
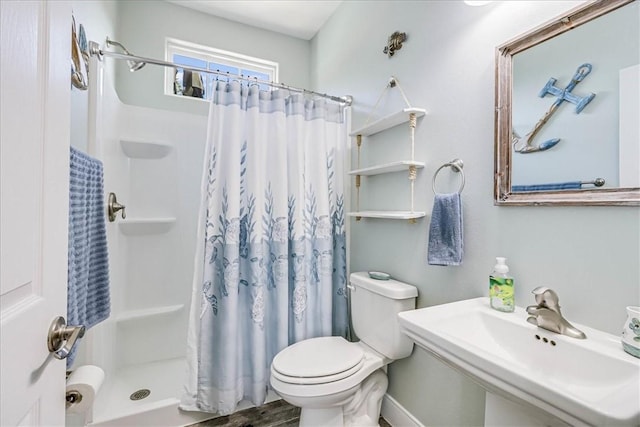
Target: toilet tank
375, 305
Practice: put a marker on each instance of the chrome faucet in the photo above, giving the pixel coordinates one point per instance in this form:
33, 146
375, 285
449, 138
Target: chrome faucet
547, 314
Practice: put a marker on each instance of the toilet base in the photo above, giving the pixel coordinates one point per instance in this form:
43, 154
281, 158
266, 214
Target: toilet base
360, 409
364, 409
321, 417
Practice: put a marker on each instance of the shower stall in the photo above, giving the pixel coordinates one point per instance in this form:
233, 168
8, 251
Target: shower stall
153, 164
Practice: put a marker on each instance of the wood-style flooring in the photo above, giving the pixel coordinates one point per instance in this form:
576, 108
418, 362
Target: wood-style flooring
274, 414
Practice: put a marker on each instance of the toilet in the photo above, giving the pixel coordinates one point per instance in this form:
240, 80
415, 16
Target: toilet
340, 383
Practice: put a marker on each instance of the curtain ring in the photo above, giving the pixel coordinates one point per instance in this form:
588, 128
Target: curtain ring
456, 165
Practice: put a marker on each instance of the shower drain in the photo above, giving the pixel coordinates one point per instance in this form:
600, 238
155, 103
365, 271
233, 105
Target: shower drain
140, 394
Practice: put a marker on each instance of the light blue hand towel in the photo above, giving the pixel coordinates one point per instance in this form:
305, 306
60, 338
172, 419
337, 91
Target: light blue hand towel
88, 300
445, 231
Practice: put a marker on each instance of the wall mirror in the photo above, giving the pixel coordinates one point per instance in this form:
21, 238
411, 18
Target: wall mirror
567, 127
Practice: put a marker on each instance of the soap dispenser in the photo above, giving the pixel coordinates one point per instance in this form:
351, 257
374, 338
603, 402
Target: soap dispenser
501, 287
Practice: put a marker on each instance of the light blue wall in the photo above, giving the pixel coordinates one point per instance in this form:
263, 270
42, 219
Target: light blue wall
590, 255
143, 26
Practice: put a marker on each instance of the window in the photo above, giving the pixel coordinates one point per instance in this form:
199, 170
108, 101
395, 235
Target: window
181, 82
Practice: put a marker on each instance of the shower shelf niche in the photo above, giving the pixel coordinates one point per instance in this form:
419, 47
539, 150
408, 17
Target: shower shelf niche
134, 315
146, 226
141, 149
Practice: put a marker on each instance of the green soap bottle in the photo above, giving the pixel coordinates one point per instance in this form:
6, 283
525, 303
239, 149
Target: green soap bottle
501, 287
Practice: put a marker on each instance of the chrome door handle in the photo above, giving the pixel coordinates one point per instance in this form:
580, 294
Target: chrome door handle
113, 207
59, 334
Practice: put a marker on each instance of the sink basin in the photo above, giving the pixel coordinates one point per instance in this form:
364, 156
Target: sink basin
590, 381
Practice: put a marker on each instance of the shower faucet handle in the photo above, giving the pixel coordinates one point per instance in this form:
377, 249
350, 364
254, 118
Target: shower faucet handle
113, 207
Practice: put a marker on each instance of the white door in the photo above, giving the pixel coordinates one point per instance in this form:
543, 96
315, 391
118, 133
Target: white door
34, 189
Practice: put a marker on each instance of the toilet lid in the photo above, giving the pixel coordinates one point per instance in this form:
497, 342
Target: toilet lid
318, 360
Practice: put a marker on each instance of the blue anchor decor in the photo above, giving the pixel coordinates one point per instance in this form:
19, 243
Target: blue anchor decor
525, 146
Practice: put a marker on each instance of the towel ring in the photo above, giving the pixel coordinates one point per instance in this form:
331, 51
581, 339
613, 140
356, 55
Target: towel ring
456, 165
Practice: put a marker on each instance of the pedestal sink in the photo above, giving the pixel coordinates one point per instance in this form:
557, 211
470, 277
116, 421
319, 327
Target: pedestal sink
580, 382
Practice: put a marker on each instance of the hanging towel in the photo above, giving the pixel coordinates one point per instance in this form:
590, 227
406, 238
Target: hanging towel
445, 232
572, 185
88, 300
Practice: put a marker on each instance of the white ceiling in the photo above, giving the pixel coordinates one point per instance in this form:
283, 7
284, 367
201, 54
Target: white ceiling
297, 18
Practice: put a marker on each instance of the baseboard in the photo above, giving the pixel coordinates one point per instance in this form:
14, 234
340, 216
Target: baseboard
396, 414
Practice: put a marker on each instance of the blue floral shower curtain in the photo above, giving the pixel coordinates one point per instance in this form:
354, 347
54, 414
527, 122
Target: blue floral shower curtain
271, 260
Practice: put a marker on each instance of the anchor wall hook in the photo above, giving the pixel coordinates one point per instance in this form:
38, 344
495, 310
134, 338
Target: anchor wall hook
525, 146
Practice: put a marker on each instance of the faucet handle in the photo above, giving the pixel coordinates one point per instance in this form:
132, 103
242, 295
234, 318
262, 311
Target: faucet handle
547, 297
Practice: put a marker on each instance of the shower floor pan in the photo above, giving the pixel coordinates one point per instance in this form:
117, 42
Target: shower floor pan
115, 408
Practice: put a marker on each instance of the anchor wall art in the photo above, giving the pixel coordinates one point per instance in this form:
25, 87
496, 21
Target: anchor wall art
526, 145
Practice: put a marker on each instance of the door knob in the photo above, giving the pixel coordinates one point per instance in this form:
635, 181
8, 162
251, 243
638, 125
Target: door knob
61, 338
113, 207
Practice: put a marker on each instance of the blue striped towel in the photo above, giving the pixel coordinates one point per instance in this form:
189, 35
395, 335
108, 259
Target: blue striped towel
88, 300
572, 185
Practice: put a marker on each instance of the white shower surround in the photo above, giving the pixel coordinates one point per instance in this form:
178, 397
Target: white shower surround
153, 162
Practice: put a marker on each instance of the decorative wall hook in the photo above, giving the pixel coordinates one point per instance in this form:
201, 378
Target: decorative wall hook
394, 43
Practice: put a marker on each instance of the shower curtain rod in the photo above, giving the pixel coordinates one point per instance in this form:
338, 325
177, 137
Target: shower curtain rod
94, 50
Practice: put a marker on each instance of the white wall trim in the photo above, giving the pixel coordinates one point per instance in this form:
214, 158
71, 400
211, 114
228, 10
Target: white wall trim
396, 414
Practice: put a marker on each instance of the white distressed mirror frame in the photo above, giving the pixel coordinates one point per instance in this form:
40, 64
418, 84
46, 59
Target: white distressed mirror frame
502, 194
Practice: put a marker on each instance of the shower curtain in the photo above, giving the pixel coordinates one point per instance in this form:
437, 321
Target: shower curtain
271, 260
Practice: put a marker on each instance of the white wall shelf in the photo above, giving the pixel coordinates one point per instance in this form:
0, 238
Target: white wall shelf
145, 226
401, 165
406, 115
388, 214
135, 315
141, 149
389, 121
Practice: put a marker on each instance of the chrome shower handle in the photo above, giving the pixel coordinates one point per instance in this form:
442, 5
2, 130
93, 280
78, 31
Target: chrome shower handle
113, 207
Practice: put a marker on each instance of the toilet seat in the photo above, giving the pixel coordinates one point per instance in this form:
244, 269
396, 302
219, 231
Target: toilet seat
318, 361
